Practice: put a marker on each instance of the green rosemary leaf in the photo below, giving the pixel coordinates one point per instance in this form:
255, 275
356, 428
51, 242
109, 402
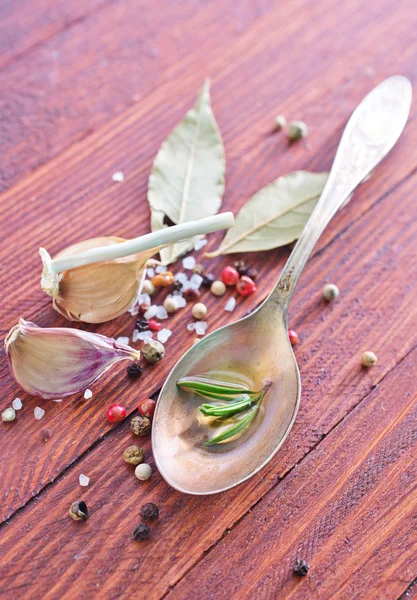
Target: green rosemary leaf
235, 429
212, 388
227, 410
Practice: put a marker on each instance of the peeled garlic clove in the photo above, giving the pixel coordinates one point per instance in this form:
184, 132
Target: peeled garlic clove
56, 361
97, 292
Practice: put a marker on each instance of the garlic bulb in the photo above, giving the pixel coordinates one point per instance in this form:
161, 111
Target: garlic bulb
97, 292
54, 362
100, 279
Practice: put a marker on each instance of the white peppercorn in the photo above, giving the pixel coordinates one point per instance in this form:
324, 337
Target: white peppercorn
199, 311
218, 288
8, 415
148, 287
330, 292
143, 471
170, 305
368, 359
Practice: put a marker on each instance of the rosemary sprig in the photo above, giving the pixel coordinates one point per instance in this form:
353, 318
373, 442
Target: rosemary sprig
212, 388
226, 411
235, 429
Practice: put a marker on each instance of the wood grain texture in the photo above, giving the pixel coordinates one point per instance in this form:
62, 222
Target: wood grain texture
308, 60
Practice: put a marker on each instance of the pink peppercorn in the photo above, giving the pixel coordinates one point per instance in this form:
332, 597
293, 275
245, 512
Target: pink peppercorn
294, 339
246, 286
116, 413
229, 276
154, 325
146, 407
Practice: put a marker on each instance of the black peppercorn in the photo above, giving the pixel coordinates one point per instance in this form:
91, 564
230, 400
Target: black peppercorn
142, 325
241, 267
301, 567
46, 434
252, 273
149, 511
141, 532
79, 511
207, 280
134, 371
177, 286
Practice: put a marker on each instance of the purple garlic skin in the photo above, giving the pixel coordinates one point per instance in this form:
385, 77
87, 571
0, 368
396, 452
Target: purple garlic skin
55, 362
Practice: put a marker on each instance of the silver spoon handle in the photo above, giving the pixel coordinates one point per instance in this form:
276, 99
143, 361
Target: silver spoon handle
371, 132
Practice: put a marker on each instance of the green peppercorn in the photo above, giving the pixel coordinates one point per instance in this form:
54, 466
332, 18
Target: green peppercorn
330, 292
297, 130
133, 455
140, 425
368, 359
153, 351
79, 511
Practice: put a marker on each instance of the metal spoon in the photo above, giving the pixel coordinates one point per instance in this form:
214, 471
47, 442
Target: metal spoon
256, 348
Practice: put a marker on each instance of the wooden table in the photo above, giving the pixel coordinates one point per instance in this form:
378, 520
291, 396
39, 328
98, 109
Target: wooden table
90, 88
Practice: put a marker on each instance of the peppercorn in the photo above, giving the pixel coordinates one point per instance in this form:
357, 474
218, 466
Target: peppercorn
143, 471
141, 532
46, 435
301, 567
142, 325
163, 279
199, 311
116, 413
144, 307
198, 269
134, 371
368, 359
218, 288
154, 325
8, 415
293, 336
246, 286
207, 280
330, 292
149, 511
148, 287
297, 130
191, 294
252, 274
140, 425
78, 511
133, 455
229, 276
240, 267
153, 351
170, 305
146, 407
177, 286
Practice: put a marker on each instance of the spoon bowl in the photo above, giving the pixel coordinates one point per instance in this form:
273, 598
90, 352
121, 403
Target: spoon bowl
256, 350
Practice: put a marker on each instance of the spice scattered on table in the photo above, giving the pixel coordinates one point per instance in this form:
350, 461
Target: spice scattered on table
141, 532
78, 511
154, 325
164, 335
230, 305
301, 567
88, 394
294, 339
133, 455
246, 286
170, 304
240, 267
140, 425
199, 311
134, 371
143, 471
229, 276
192, 294
123, 340
208, 280
148, 287
163, 279
149, 511
46, 435
218, 288
280, 122
188, 263
146, 407
153, 351
118, 176
38, 413
330, 292
84, 480
297, 130
116, 413
17, 404
8, 415
368, 359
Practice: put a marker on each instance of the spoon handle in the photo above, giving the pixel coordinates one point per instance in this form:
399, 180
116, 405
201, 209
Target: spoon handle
370, 133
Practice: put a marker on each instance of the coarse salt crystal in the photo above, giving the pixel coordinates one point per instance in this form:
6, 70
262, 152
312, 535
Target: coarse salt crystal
150, 272
88, 394
188, 262
196, 281
58, 400
134, 310
118, 176
201, 327
180, 301
191, 326
145, 336
135, 335
181, 277
161, 313
38, 413
123, 340
145, 299
151, 312
84, 480
187, 285
163, 335
160, 269
230, 305
17, 404
198, 244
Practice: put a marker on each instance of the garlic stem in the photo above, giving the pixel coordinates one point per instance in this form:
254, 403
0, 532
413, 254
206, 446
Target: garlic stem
155, 239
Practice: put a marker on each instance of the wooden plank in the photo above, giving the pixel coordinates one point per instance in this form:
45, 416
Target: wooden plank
74, 83
349, 509
25, 24
79, 184
375, 311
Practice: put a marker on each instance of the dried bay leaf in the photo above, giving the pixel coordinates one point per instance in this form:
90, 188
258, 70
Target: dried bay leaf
274, 216
187, 178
